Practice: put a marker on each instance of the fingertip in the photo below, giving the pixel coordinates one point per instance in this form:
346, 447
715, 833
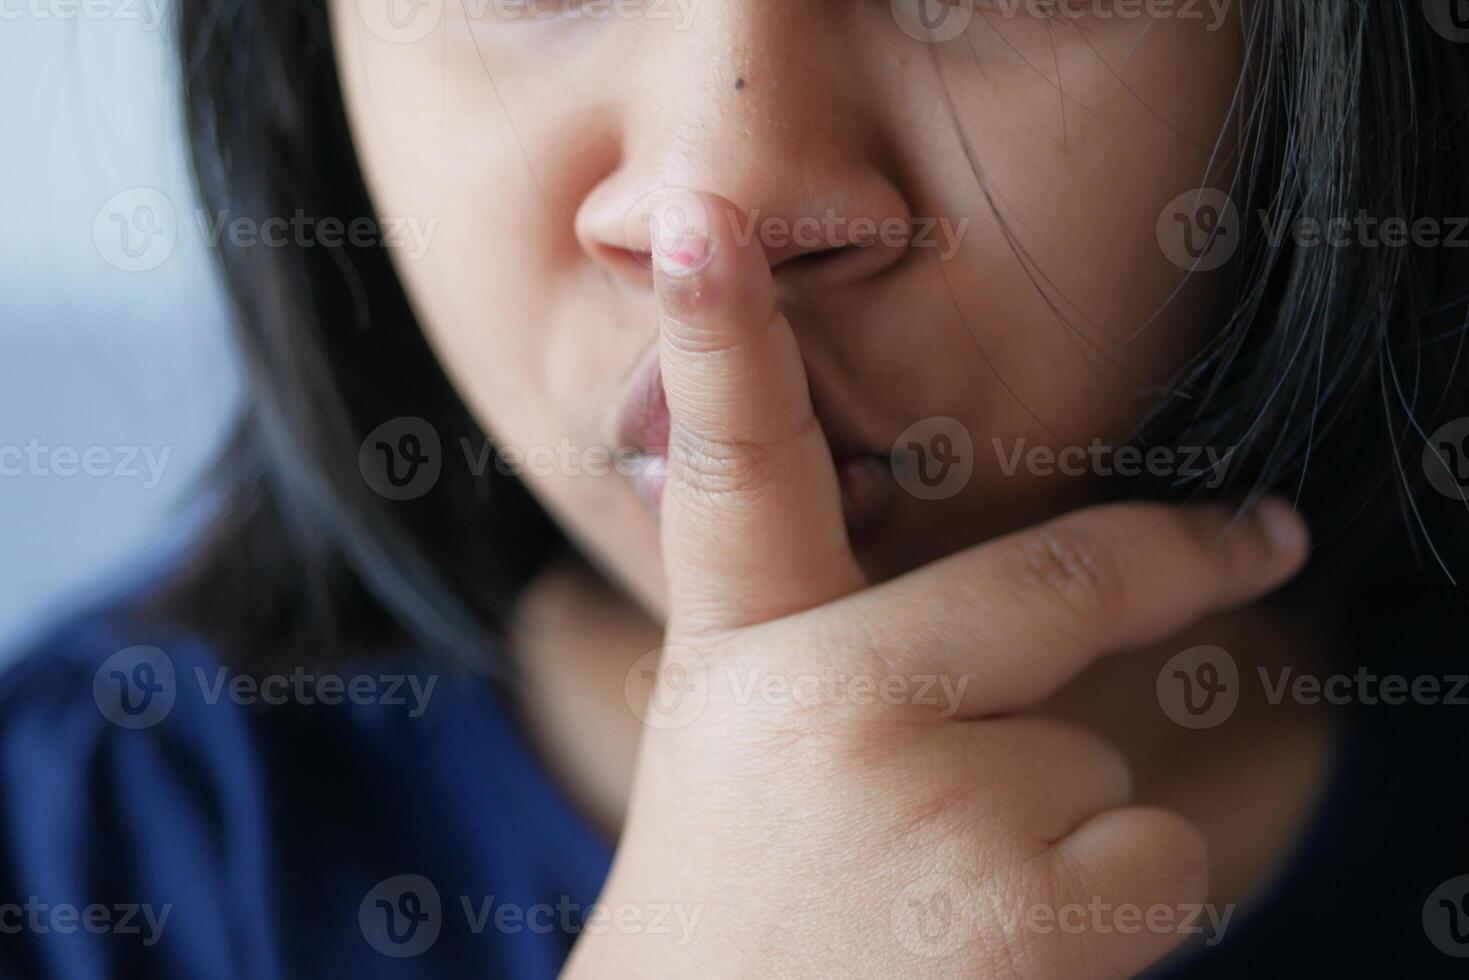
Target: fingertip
685, 255
712, 285
680, 249
1283, 527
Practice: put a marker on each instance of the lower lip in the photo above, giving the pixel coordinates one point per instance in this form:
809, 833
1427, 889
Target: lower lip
866, 484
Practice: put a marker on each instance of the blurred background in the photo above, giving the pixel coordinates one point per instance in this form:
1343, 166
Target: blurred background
116, 381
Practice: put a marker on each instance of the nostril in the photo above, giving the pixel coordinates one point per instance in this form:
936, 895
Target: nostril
632, 263
840, 262
818, 257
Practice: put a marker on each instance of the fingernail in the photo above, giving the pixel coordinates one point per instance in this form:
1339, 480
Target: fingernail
679, 249
1281, 524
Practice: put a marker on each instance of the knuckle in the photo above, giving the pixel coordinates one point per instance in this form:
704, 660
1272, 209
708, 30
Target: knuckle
688, 334
1181, 851
1206, 539
1200, 535
1103, 758
1075, 567
715, 467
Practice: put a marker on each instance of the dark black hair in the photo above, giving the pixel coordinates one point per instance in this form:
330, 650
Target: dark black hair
1327, 377
303, 559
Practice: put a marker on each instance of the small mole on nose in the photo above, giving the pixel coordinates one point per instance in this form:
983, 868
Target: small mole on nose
739, 84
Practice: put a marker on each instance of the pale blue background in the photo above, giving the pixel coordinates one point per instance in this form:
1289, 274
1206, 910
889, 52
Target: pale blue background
91, 355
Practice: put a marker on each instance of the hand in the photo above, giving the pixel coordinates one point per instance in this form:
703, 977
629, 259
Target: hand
871, 836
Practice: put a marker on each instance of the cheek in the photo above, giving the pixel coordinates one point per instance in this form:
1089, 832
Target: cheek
1083, 134
442, 137
522, 326
1054, 315
1061, 314
436, 141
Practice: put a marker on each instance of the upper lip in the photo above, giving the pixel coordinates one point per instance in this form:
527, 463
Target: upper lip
643, 422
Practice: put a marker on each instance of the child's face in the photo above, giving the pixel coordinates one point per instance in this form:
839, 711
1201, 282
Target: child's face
533, 136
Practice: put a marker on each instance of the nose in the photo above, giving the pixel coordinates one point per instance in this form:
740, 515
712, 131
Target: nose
755, 101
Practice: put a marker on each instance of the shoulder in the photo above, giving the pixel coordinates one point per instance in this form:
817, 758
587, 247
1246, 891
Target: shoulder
103, 685
205, 808
128, 811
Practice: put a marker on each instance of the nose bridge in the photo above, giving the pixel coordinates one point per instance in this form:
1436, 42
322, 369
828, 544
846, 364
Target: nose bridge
756, 74
753, 103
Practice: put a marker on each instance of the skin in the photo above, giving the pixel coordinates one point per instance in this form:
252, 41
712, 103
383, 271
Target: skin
528, 292
539, 145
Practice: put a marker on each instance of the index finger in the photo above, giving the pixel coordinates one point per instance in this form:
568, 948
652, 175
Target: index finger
752, 524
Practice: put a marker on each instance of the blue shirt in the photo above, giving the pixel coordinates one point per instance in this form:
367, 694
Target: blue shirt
376, 827
162, 816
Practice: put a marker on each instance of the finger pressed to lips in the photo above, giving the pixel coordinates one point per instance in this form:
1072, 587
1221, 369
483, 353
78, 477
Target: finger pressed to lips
752, 519
753, 527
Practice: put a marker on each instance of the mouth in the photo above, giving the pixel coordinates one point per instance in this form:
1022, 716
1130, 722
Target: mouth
864, 476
